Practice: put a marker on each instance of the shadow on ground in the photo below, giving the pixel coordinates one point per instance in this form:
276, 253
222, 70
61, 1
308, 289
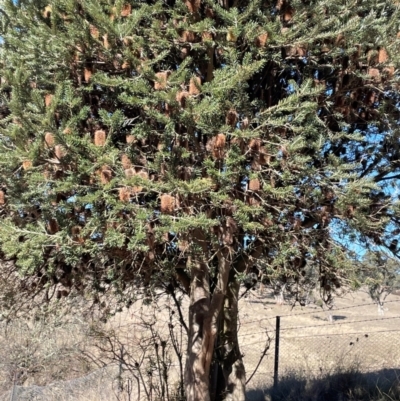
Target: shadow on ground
349, 385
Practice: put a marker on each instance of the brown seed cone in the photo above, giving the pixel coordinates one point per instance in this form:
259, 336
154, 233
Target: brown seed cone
382, 55
210, 12
52, 226
105, 175
161, 80
67, 131
100, 137
59, 151
94, 32
75, 233
261, 40
374, 73
389, 71
168, 204
193, 5
26, 164
288, 14
87, 73
264, 157
181, 98
143, 174
125, 65
125, 194
126, 10
230, 36
252, 201
47, 11
254, 184
129, 172
231, 118
188, 36
2, 198
255, 145
206, 36
245, 123
194, 85
49, 139
130, 139
126, 163
106, 43
48, 99
217, 146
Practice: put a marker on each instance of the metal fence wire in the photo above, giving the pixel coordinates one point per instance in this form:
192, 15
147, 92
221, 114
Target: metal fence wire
313, 350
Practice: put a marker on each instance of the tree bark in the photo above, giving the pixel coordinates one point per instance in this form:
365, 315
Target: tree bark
204, 310
234, 373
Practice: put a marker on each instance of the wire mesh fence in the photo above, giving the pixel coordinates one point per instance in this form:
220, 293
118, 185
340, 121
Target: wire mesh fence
349, 342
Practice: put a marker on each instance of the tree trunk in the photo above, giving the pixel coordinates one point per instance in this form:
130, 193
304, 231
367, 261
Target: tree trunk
234, 374
381, 310
203, 324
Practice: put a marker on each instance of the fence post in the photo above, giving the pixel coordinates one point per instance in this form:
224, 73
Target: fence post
276, 364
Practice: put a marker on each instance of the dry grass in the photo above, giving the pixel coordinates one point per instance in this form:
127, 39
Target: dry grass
53, 356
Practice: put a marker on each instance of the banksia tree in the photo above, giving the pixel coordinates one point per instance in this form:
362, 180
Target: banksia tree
193, 142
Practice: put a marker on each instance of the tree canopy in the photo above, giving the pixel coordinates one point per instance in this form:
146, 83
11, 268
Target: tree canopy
184, 142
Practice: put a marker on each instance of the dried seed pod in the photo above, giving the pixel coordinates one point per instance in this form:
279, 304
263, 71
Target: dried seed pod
206, 36
382, 55
126, 163
373, 72
288, 14
143, 174
130, 139
59, 151
168, 204
194, 85
188, 36
52, 226
49, 139
129, 172
126, 10
26, 164
193, 5
125, 194
244, 124
75, 233
161, 80
100, 137
210, 12
127, 40
231, 118
262, 39
218, 150
230, 35
254, 184
106, 43
94, 32
105, 175
389, 71
47, 11
87, 73
264, 157
2, 198
181, 97
255, 145
48, 99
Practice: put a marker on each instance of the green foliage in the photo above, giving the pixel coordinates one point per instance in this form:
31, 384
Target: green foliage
126, 128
